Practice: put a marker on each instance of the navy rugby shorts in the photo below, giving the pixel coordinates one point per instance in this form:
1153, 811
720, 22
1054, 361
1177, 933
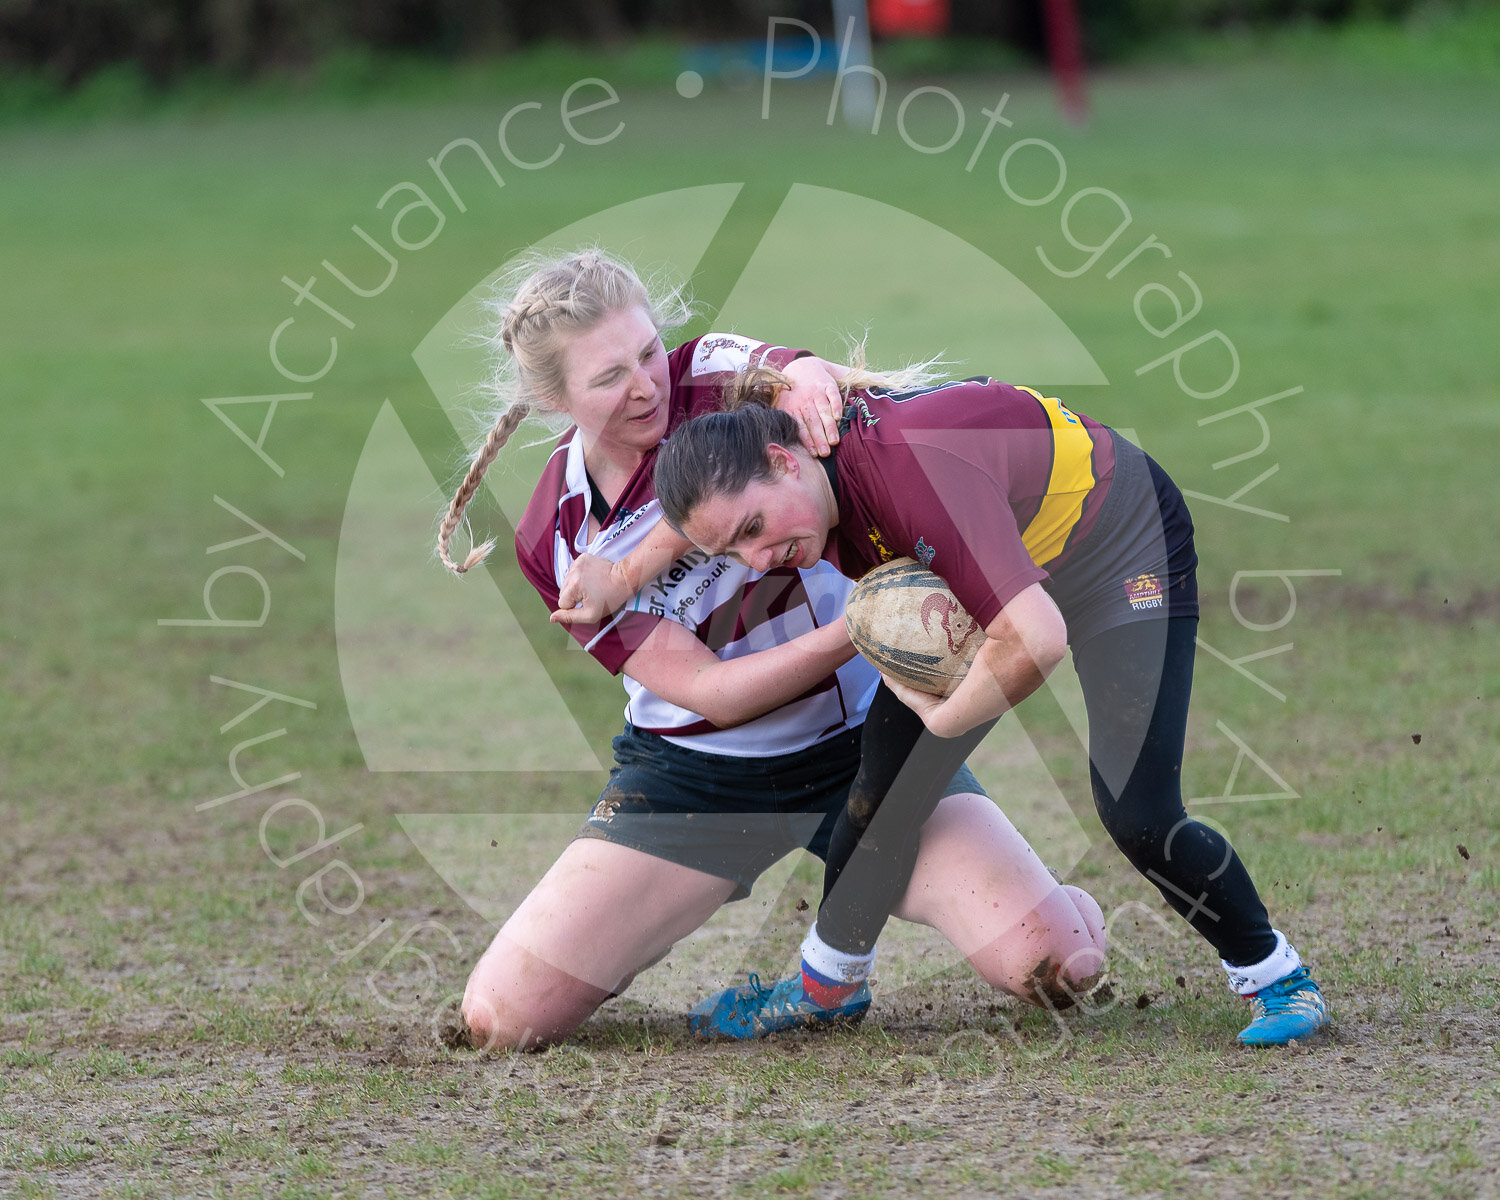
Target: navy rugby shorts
723, 814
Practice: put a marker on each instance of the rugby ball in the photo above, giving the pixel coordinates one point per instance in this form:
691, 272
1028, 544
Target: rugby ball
904, 619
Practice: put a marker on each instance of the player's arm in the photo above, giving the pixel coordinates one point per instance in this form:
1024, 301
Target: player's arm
679, 668
1027, 639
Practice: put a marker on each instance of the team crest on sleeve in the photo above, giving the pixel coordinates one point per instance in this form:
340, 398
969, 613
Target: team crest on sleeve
721, 352
876, 540
1143, 591
924, 553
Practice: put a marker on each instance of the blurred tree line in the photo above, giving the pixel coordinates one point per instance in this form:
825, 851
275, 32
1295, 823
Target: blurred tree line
68, 40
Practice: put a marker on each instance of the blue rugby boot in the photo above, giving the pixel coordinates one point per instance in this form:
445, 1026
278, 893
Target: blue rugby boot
1288, 1009
754, 1010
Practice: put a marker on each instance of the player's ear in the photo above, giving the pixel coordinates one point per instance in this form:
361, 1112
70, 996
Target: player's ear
782, 461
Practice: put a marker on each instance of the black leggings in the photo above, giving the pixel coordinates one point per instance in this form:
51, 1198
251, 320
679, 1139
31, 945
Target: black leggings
903, 772
1137, 680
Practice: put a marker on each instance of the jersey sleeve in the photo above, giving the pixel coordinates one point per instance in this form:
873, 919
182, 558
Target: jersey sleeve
705, 366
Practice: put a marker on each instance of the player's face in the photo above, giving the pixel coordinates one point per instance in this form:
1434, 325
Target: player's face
772, 523
615, 384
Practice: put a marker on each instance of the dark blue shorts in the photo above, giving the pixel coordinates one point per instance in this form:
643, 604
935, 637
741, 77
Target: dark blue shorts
725, 815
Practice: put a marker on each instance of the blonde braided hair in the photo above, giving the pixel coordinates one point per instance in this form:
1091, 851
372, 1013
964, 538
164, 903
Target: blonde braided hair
541, 305
498, 435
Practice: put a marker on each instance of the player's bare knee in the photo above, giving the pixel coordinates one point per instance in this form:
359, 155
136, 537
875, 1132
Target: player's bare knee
489, 1021
483, 1024
1061, 978
1081, 972
1046, 986
492, 1029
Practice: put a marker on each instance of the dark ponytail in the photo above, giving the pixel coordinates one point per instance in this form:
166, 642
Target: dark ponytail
718, 453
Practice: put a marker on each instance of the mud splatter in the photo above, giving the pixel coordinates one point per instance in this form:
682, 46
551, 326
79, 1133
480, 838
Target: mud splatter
861, 809
1046, 989
453, 1032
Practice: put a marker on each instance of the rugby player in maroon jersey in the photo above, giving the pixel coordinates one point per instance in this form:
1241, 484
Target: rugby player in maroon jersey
1054, 532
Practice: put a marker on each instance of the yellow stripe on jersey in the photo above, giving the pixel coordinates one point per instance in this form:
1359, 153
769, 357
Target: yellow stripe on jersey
1068, 485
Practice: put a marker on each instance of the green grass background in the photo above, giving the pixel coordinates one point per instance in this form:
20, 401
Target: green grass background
1338, 211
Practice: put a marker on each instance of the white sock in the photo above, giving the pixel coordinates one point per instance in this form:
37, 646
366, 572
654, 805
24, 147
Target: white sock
1280, 963
835, 965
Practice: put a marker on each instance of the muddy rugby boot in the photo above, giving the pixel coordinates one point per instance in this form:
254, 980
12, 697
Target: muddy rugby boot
754, 1010
1288, 1009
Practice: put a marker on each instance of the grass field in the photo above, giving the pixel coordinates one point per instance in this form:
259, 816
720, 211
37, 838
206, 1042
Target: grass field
179, 1014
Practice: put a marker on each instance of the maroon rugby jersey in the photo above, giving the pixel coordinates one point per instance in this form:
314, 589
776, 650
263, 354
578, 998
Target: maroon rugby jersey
985, 483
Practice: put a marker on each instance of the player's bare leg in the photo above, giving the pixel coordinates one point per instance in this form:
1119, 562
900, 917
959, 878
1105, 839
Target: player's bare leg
980, 884
602, 913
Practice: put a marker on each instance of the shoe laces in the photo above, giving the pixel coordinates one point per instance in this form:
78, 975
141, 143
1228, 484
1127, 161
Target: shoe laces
1297, 993
784, 995
746, 1000
759, 995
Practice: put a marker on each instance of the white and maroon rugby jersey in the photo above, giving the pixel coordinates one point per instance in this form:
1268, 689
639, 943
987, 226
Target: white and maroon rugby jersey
733, 611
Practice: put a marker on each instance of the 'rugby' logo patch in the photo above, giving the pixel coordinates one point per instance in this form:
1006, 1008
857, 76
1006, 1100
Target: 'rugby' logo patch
1144, 591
